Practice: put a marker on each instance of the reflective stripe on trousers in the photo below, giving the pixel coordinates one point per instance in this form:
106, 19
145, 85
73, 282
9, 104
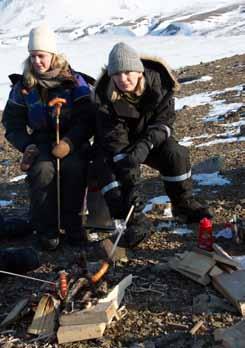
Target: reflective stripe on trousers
178, 177
109, 187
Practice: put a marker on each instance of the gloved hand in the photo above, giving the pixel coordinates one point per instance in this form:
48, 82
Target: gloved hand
30, 153
132, 197
133, 158
157, 134
62, 149
139, 153
127, 174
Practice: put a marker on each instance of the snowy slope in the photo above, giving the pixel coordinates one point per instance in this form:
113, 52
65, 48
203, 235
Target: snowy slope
74, 19
183, 32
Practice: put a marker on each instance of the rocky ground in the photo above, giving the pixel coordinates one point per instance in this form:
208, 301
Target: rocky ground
160, 301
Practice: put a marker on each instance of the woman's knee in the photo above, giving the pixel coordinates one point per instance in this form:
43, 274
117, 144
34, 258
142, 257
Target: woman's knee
43, 172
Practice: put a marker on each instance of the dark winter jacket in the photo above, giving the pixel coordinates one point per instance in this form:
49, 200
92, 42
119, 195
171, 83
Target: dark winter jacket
122, 126
28, 119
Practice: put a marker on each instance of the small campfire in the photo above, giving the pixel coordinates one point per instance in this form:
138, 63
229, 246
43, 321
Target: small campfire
75, 308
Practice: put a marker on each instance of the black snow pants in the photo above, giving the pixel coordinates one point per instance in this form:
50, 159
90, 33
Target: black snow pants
42, 182
172, 161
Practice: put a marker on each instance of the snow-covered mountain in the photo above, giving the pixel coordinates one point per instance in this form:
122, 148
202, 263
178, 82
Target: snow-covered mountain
183, 32
75, 19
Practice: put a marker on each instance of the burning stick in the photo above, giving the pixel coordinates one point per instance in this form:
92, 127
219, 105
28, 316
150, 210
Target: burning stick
81, 282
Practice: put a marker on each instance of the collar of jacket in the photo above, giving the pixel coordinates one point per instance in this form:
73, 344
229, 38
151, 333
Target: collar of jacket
123, 108
120, 105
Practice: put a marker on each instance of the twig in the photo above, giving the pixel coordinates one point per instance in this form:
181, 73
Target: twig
40, 337
196, 327
149, 289
7, 332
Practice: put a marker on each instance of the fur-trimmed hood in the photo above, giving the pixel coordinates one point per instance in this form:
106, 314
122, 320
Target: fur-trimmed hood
157, 64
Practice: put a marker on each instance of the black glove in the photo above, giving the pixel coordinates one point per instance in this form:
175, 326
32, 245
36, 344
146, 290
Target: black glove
126, 172
139, 153
132, 197
157, 134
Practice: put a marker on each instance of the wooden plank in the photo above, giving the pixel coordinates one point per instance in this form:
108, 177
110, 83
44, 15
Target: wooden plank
202, 251
215, 271
224, 293
15, 312
226, 261
220, 251
74, 333
45, 316
174, 264
232, 337
116, 295
120, 253
101, 313
232, 286
226, 268
196, 263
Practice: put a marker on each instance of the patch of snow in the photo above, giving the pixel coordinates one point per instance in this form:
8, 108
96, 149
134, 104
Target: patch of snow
202, 79
222, 141
174, 28
212, 179
188, 141
207, 98
193, 100
219, 109
155, 200
4, 203
181, 231
171, 226
18, 178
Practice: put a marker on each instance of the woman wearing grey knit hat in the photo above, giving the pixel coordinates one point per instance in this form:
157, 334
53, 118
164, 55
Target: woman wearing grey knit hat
135, 126
51, 140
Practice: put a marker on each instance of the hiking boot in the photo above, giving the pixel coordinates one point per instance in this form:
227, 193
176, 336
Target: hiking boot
15, 227
190, 211
49, 240
18, 260
50, 243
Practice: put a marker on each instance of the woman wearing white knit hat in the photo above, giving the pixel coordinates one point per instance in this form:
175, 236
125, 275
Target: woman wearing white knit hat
48, 75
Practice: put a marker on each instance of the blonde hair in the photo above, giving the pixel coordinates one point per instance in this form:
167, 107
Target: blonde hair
116, 94
58, 62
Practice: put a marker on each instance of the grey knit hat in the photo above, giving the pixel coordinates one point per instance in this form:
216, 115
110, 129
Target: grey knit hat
123, 58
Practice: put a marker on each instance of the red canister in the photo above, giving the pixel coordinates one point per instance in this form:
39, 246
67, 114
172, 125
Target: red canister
205, 235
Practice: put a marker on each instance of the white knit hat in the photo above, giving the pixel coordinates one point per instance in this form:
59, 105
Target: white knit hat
42, 38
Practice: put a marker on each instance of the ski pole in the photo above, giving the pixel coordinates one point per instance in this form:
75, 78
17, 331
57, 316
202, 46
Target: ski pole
57, 104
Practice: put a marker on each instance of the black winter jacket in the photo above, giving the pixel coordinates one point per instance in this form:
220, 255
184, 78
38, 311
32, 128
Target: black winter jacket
122, 125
